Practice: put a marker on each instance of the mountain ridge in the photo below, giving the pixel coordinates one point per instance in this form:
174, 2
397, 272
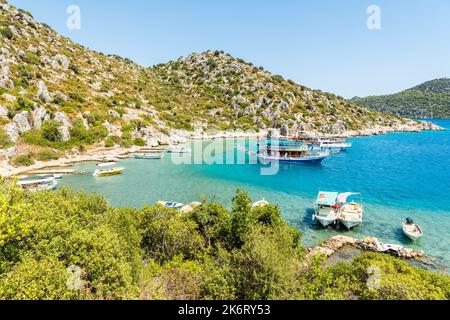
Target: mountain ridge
58, 96
430, 99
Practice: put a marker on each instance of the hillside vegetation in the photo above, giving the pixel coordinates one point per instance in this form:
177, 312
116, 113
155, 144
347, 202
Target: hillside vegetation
428, 100
66, 245
58, 96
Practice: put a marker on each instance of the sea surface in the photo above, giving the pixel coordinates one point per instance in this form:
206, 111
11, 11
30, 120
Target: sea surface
399, 175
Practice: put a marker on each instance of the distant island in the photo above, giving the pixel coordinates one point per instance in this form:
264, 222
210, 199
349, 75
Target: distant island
428, 100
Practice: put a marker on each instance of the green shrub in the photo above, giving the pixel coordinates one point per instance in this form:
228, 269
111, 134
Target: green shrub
46, 155
139, 142
23, 160
7, 33
5, 141
31, 58
50, 131
109, 143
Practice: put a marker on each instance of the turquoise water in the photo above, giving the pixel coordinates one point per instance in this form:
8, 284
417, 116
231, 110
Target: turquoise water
400, 175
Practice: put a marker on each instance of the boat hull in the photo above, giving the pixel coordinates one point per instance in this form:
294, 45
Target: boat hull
411, 236
303, 160
149, 157
349, 224
108, 173
325, 221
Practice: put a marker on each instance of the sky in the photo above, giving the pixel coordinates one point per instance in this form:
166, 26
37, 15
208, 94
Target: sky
323, 44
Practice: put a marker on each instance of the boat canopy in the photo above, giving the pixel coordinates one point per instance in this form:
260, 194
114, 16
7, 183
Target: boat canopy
327, 198
342, 198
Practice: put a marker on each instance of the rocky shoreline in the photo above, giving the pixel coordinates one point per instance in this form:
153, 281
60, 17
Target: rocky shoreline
334, 245
180, 137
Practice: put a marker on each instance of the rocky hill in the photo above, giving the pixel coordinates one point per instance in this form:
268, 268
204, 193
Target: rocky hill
58, 97
428, 100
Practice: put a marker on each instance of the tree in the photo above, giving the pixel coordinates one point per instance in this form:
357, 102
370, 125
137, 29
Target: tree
213, 222
242, 219
266, 266
50, 131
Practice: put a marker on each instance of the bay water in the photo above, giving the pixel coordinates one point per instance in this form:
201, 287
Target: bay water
399, 175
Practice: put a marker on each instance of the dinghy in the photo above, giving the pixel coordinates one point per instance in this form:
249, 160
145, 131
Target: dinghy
106, 164
350, 213
261, 203
412, 230
149, 156
108, 172
171, 205
179, 149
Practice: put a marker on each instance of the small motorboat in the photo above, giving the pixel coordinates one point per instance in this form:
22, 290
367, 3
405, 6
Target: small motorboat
108, 172
106, 164
325, 208
350, 213
412, 230
260, 204
171, 205
149, 156
38, 183
179, 149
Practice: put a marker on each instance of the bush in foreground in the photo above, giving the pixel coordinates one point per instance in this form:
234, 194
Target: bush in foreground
157, 253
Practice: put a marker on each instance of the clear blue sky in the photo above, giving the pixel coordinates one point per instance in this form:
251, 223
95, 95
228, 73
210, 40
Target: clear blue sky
324, 44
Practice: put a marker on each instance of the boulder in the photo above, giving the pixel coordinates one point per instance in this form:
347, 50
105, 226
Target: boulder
9, 97
22, 122
114, 114
39, 115
64, 129
13, 131
63, 61
43, 94
3, 112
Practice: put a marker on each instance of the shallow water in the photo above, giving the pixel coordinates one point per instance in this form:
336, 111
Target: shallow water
400, 175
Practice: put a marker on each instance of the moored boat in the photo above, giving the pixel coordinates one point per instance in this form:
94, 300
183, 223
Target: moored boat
290, 152
259, 204
106, 164
149, 156
326, 208
350, 213
179, 149
38, 183
108, 172
333, 144
171, 205
412, 230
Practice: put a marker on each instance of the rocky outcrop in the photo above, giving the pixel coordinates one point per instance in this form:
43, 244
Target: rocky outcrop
13, 132
9, 97
333, 245
5, 81
3, 112
42, 93
22, 121
64, 129
40, 115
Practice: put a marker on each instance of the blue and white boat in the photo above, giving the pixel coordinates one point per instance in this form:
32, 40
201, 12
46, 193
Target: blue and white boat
289, 152
326, 209
171, 205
